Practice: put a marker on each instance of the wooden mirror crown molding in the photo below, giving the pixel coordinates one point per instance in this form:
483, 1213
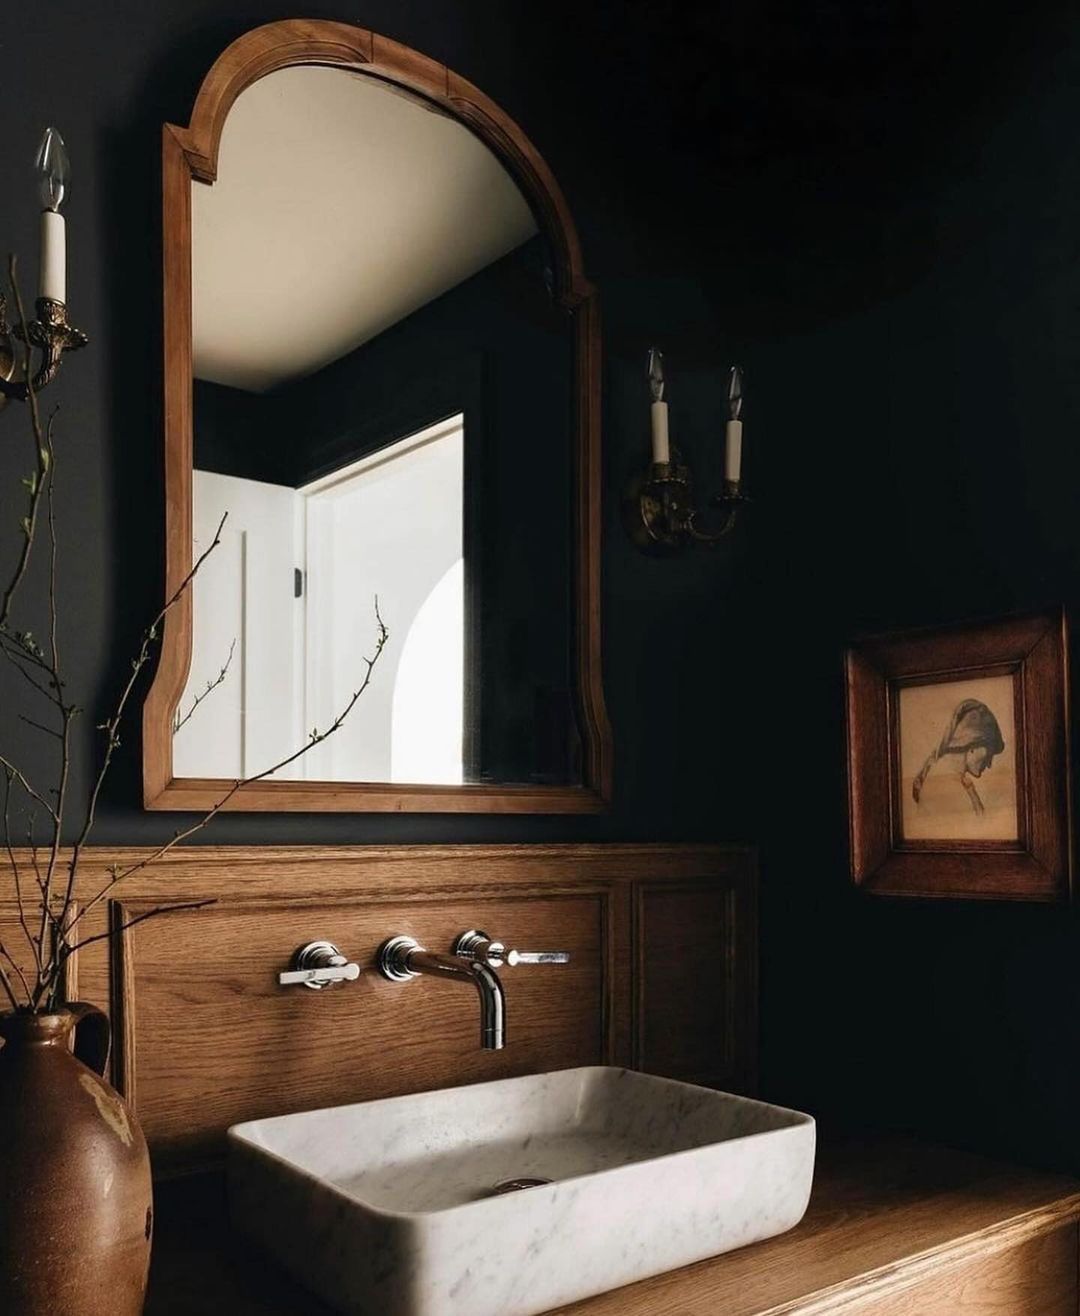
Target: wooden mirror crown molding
191, 153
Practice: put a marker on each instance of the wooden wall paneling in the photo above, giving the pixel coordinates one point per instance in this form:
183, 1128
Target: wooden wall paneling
209, 1035
696, 981
619, 1003
205, 1037
414, 869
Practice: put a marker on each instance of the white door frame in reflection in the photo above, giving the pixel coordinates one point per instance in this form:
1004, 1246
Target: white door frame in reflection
391, 526
285, 607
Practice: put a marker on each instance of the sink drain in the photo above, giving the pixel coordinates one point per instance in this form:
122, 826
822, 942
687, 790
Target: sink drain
516, 1185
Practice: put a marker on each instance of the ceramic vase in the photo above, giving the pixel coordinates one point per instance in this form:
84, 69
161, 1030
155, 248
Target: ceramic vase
76, 1212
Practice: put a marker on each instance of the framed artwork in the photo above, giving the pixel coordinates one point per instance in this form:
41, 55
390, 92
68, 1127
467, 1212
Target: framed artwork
958, 761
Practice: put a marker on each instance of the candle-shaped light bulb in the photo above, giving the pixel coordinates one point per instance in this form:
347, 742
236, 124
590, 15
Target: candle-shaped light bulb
656, 374
661, 451
54, 177
53, 170
733, 444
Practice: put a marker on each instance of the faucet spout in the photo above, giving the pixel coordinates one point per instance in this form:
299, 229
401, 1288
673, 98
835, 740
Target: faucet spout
492, 1007
410, 959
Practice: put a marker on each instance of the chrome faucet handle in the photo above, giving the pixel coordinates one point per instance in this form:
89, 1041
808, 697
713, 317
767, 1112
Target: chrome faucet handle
318, 964
477, 945
515, 957
393, 958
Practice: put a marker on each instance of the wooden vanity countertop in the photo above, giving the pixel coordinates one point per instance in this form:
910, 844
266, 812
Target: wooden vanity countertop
884, 1216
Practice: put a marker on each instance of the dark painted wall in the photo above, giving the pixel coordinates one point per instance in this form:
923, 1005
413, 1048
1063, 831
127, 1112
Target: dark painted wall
930, 471
875, 206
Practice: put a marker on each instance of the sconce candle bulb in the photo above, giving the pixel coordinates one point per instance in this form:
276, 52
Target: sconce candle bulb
54, 175
733, 444
659, 508
658, 412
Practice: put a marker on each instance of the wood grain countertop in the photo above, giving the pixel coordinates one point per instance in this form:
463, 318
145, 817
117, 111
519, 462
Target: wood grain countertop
884, 1216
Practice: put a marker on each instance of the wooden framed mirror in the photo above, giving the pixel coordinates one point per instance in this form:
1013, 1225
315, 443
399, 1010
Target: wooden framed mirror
382, 359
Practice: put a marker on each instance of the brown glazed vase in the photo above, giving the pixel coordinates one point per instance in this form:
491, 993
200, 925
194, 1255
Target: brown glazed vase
75, 1198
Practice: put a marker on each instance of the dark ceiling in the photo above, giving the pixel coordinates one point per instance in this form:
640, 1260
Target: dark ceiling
808, 144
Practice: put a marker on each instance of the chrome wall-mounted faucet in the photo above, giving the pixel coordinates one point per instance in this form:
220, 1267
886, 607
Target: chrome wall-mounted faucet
474, 959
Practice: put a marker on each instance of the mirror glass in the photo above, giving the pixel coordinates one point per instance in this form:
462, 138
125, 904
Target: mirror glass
383, 406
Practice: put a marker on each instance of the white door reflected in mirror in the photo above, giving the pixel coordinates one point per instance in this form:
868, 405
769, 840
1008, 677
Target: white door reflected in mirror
284, 612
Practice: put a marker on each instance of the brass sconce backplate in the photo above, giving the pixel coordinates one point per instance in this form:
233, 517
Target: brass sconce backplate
660, 514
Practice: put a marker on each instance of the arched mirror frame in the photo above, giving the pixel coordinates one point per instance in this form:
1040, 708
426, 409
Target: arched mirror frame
191, 153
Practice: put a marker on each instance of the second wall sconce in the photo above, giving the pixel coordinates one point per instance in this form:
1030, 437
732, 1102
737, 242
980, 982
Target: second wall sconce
661, 514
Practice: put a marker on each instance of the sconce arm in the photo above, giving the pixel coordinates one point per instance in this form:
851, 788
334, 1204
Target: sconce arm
729, 501
50, 333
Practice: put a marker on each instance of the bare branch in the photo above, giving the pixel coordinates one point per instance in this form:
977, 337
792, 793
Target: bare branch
51, 509
179, 721
15, 775
39, 726
34, 483
16, 873
111, 726
5, 982
47, 917
43, 437
71, 948
32, 847
38, 663
18, 973
316, 738
16, 654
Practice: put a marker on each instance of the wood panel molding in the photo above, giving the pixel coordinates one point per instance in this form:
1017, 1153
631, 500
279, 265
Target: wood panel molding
695, 991
191, 153
122, 999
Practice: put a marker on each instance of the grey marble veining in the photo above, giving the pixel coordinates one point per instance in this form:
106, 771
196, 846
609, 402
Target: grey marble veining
386, 1209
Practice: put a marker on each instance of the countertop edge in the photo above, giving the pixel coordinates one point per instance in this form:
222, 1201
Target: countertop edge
907, 1272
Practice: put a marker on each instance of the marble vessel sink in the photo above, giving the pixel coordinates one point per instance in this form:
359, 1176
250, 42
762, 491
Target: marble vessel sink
393, 1208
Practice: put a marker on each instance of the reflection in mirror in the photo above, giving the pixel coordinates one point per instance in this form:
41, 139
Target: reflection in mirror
383, 406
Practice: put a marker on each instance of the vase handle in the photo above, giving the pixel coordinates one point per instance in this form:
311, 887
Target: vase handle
93, 1036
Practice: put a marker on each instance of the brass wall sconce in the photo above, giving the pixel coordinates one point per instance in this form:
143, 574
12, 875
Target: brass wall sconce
660, 510
50, 333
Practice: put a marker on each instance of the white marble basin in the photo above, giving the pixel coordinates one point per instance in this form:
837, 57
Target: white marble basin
387, 1208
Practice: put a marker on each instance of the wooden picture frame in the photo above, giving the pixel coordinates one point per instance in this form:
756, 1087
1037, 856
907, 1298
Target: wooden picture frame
929, 715
189, 154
